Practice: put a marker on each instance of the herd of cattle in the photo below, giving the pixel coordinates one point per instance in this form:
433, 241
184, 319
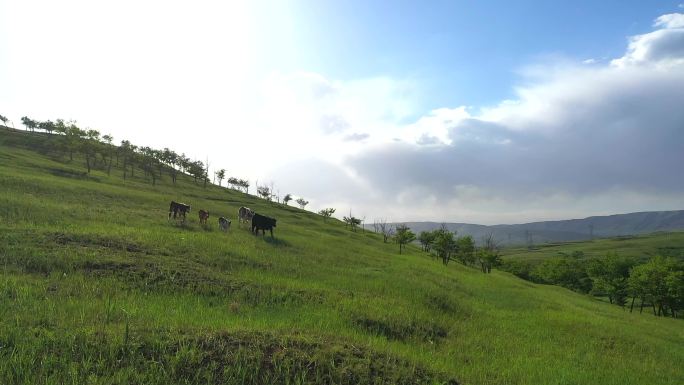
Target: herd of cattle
245, 215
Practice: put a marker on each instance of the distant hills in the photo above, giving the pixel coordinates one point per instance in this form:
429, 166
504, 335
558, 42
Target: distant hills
567, 230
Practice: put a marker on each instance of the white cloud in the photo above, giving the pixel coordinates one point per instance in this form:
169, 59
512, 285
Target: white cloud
578, 141
662, 47
671, 20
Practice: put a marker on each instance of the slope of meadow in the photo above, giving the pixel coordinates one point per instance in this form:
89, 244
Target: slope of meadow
97, 287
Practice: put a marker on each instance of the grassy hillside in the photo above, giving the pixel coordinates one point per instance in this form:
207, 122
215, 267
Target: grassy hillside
669, 244
97, 287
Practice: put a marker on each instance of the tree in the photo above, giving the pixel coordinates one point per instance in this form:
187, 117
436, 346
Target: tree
244, 183
386, 229
564, 271
660, 282
264, 192
404, 236
326, 213
426, 239
610, 276
302, 203
465, 247
351, 222
488, 254
47, 126
3, 120
110, 150
287, 198
220, 175
205, 174
444, 245
29, 123
60, 127
89, 143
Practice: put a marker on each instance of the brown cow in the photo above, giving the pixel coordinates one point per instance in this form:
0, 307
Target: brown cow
203, 216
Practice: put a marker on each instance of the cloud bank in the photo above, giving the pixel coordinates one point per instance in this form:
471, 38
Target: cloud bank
576, 140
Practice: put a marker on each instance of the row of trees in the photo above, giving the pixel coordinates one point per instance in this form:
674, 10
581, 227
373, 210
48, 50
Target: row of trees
99, 152
657, 283
443, 244
447, 246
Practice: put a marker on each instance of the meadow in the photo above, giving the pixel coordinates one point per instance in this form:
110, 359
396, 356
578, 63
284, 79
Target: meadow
98, 287
640, 247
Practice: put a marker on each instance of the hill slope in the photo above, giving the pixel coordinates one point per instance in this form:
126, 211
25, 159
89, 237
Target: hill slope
97, 286
568, 230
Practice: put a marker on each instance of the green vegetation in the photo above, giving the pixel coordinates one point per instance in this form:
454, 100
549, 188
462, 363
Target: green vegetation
642, 247
97, 287
587, 267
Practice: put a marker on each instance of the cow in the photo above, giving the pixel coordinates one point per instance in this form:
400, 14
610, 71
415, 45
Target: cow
245, 214
263, 223
203, 216
178, 209
224, 223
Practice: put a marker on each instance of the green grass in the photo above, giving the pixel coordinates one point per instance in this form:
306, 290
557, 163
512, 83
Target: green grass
97, 287
640, 247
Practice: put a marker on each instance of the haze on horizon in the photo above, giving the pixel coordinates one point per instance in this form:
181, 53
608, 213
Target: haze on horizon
457, 112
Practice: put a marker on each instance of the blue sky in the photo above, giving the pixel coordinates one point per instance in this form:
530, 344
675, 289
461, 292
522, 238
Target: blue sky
460, 111
461, 52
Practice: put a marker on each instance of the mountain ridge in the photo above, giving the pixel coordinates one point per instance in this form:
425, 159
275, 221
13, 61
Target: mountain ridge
566, 230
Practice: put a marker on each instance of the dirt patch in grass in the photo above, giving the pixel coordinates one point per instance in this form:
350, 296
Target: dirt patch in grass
401, 329
102, 241
158, 357
152, 277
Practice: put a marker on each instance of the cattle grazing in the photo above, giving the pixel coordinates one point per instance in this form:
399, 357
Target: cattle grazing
245, 214
224, 224
260, 222
203, 216
178, 210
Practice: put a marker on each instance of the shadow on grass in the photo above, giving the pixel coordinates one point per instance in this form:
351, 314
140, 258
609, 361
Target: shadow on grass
275, 241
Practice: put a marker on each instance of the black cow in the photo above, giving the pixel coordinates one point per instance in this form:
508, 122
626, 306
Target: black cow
260, 222
178, 209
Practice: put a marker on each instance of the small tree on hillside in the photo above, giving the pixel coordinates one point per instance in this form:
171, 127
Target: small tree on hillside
287, 198
404, 236
47, 126
488, 254
264, 192
326, 213
465, 247
302, 203
244, 183
352, 222
29, 123
220, 175
3, 120
444, 245
109, 150
386, 229
426, 239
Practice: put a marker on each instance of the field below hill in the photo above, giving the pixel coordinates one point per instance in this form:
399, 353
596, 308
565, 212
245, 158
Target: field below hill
640, 247
98, 287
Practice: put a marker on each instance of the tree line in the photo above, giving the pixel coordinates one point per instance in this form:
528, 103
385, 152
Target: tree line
99, 152
657, 283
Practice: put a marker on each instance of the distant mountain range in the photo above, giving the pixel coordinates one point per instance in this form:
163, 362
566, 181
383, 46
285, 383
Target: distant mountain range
566, 230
